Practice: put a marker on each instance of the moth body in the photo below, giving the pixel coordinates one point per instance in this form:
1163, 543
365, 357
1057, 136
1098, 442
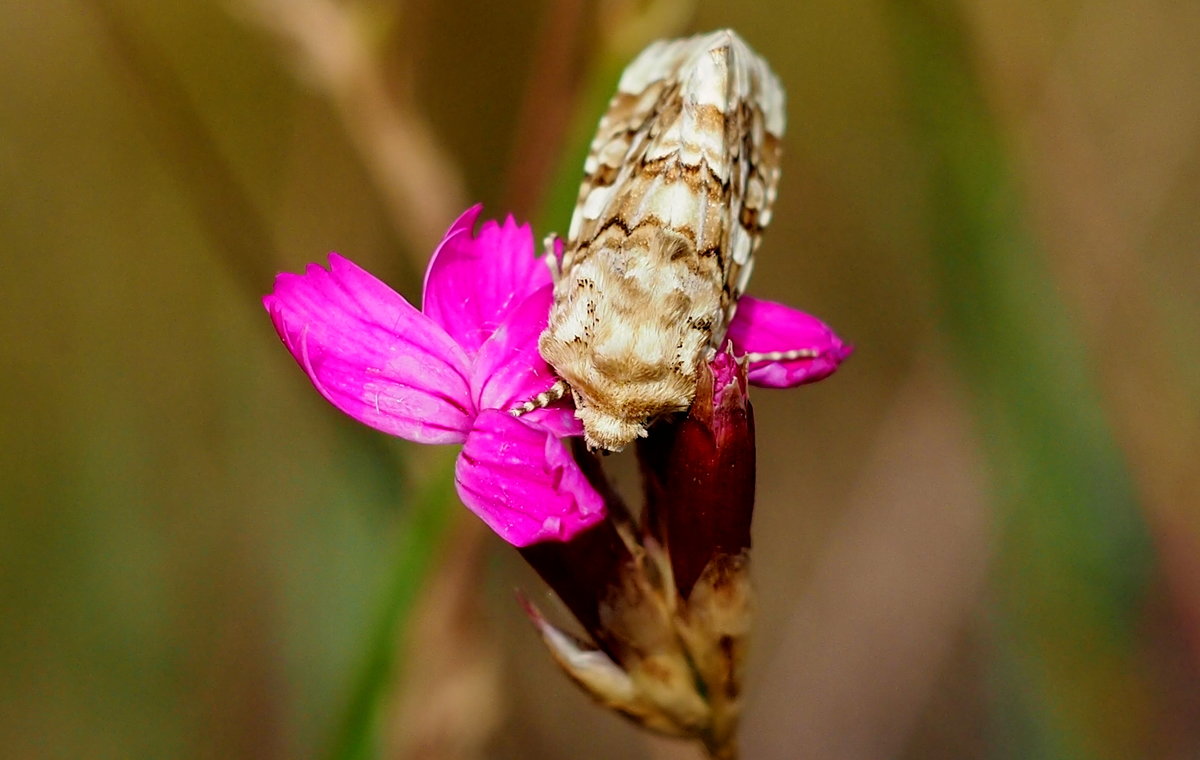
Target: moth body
677, 189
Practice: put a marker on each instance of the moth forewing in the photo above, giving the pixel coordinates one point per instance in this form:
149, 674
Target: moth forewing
677, 189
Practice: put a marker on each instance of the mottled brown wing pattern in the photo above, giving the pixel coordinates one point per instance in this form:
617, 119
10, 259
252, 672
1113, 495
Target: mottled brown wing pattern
677, 189
703, 112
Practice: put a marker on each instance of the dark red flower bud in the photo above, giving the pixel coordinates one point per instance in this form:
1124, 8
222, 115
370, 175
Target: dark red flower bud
699, 475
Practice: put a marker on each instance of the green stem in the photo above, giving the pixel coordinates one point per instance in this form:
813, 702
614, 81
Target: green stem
415, 555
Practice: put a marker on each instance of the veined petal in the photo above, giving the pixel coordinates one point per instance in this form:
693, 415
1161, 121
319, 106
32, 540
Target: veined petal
474, 279
803, 349
372, 354
509, 370
523, 482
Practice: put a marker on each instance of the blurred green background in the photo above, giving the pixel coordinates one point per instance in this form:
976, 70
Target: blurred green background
980, 539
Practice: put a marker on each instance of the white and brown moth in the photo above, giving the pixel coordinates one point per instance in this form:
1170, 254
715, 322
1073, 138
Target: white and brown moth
677, 189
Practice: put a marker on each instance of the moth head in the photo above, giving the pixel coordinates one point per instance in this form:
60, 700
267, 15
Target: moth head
606, 431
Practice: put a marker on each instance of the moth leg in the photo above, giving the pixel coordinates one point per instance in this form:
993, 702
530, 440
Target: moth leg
543, 399
782, 356
553, 248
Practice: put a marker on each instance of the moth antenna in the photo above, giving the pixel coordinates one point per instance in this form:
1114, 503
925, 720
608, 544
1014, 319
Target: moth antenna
783, 356
543, 399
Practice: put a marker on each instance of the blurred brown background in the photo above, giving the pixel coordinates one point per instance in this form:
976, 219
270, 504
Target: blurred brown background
981, 538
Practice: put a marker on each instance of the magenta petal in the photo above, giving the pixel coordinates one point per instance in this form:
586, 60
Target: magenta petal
765, 327
509, 370
372, 354
523, 483
474, 279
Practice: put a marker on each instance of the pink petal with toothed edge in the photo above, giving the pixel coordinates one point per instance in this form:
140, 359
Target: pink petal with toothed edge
474, 279
763, 327
372, 354
509, 370
523, 482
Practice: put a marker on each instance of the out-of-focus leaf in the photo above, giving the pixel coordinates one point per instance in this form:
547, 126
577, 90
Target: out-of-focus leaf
632, 26
1074, 551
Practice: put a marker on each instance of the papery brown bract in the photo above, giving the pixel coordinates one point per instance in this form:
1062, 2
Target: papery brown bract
667, 605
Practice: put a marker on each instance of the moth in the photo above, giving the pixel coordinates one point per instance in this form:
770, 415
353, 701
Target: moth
677, 188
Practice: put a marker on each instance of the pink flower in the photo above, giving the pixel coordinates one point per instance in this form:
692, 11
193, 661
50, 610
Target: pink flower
787, 347
449, 372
